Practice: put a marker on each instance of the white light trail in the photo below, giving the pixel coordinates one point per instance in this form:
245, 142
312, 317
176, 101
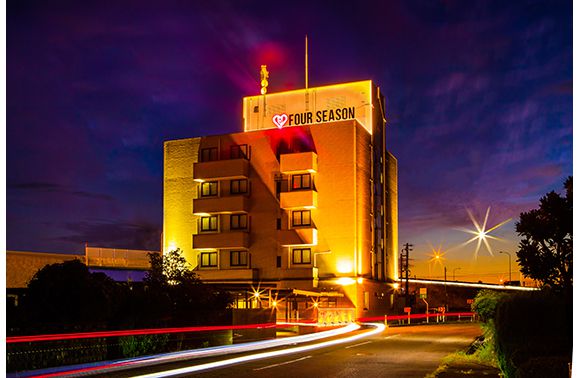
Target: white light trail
477, 285
237, 360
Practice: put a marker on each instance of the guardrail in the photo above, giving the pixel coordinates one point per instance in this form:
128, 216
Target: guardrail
439, 317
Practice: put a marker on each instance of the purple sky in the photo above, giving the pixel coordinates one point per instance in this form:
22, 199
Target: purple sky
479, 104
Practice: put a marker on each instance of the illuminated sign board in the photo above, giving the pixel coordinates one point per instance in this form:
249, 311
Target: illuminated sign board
340, 102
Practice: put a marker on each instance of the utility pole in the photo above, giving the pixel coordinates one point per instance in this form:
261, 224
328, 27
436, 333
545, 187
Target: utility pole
510, 263
405, 269
445, 277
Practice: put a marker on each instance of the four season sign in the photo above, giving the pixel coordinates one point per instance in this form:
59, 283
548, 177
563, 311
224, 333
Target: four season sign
356, 101
297, 119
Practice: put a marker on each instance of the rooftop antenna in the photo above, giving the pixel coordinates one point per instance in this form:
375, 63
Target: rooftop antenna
306, 61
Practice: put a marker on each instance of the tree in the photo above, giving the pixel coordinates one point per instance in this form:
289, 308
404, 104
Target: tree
545, 253
68, 295
179, 291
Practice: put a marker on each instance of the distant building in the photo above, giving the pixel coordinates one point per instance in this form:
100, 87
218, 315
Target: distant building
299, 211
119, 264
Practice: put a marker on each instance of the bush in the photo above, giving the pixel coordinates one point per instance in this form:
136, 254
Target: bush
532, 326
542, 367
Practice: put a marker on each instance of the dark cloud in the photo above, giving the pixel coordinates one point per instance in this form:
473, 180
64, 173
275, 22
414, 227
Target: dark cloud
46, 187
135, 235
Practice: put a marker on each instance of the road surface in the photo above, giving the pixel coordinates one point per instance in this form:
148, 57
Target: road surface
397, 352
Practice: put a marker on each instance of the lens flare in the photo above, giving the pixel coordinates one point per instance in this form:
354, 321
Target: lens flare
481, 233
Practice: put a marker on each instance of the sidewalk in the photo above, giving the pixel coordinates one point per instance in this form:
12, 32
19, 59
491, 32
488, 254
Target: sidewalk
463, 369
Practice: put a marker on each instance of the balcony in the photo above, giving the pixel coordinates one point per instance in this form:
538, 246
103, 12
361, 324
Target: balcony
220, 169
220, 204
299, 199
228, 274
299, 162
298, 236
234, 239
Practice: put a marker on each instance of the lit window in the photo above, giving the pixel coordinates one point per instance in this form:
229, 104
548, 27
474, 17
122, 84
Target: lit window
209, 223
239, 221
208, 259
301, 256
239, 151
302, 181
238, 186
300, 218
209, 154
238, 258
209, 189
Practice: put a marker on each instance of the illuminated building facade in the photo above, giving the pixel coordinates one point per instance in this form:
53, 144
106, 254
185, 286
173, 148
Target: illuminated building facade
301, 205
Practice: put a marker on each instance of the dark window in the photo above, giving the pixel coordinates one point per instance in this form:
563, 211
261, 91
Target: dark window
208, 259
279, 224
209, 189
239, 221
239, 151
239, 186
278, 261
300, 218
238, 258
302, 181
209, 223
301, 256
209, 154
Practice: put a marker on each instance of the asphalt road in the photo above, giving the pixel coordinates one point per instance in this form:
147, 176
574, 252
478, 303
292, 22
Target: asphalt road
398, 352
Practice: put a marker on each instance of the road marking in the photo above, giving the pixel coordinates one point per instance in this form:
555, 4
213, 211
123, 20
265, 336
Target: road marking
284, 363
390, 337
359, 344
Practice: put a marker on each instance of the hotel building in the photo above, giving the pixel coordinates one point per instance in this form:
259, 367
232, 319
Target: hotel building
298, 211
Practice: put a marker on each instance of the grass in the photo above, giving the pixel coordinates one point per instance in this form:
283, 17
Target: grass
484, 355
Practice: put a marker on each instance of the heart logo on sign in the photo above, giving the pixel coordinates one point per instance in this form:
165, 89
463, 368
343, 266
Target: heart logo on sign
280, 120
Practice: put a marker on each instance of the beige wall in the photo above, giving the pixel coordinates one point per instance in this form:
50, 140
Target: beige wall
21, 266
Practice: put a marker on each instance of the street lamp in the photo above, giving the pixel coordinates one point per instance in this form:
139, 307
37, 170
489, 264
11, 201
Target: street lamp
454, 269
510, 263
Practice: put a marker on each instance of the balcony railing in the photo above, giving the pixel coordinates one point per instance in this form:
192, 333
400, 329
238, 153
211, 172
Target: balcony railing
298, 236
235, 168
232, 239
299, 162
299, 199
221, 204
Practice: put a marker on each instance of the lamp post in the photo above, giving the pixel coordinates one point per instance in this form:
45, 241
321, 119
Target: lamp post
454, 269
510, 263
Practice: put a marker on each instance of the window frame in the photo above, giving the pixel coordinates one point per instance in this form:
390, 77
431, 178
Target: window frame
239, 182
302, 221
239, 217
301, 260
209, 229
241, 151
209, 254
237, 255
212, 154
300, 178
212, 184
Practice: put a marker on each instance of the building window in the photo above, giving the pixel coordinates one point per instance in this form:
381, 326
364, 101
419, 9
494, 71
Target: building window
238, 221
278, 261
209, 154
239, 151
238, 186
300, 182
300, 218
301, 256
238, 258
208, 259
209, 223
209, 189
